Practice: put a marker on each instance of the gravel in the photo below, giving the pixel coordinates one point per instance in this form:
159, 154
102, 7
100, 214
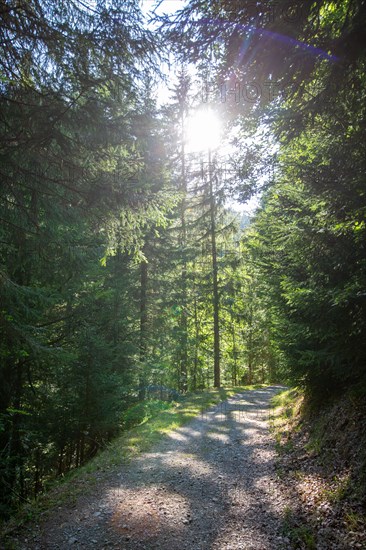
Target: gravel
211, 484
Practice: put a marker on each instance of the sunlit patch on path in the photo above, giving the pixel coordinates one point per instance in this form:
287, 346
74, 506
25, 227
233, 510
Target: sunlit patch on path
144, 514
210, 484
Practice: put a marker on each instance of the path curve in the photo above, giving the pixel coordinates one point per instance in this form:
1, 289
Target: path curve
209, 485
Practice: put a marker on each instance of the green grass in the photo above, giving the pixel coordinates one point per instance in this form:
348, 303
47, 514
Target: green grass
300, 535
152, 429
354, 521
158, 420
285, 399
285, 406
339, 491
316, 440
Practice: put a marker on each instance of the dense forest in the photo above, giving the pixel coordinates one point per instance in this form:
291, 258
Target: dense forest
127, 273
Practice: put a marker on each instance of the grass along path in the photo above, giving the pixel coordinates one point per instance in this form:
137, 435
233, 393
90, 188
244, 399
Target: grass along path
82, 481
209, 484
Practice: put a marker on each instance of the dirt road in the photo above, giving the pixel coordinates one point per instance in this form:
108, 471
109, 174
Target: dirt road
208, 485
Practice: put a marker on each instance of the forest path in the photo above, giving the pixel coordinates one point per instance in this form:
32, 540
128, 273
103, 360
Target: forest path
208, 485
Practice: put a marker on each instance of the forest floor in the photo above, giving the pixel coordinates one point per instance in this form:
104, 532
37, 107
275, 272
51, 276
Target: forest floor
322, 465
229, 479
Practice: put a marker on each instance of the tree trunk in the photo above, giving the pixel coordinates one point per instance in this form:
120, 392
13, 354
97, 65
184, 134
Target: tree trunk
143, 324
195, 361
215, 287
183, 244
235, 367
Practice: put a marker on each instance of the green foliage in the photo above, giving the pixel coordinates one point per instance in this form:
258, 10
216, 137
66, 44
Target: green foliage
122, 266
307, 240
75, 184
142, 412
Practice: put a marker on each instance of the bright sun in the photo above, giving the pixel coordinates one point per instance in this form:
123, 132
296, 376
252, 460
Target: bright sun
202, 131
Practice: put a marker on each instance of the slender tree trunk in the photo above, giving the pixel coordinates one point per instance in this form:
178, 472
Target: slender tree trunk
15, 479
77, 457
196, 334
37, 473
183, 319
15, 447
143, 324
235, 369
82, 448
215, 286
117, 296
60, 461
250, 346
143, 309
71, 452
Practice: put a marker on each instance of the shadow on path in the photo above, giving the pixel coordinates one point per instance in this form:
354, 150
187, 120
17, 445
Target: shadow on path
208, 485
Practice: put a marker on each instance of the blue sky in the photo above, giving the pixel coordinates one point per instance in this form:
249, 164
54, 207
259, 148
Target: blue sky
164, 6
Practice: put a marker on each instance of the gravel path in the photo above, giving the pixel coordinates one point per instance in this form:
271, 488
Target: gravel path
208, 485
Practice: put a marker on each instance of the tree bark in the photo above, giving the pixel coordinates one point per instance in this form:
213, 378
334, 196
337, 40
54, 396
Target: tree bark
144, 275
183, 320
215, 286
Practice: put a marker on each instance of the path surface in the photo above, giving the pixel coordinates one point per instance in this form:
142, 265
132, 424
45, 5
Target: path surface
208, 485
